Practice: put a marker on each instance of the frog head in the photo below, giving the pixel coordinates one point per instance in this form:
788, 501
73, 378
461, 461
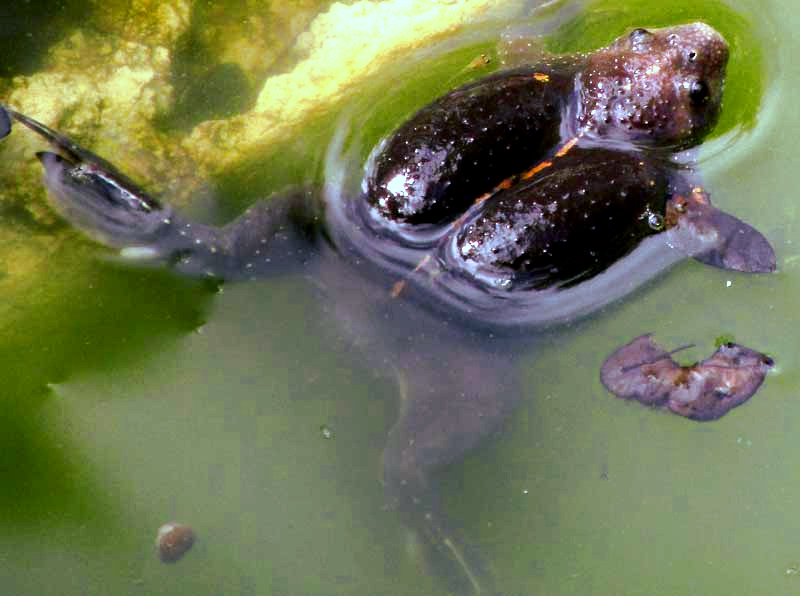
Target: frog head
654, 88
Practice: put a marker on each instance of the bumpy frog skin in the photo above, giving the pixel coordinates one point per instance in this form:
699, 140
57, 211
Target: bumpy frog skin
655, 88
658, 89
526, 199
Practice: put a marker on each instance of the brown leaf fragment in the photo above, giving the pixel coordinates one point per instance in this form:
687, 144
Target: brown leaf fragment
706, 390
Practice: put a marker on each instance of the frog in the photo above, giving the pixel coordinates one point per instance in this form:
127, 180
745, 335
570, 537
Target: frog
496, 215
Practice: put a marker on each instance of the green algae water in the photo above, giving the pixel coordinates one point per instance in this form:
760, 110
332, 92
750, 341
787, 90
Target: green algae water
131, 398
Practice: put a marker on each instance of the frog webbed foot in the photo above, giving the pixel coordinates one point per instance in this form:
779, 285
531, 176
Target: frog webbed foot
714, 237
411, 491
98, 199
102, 207
106, 205
447, 411
92, 194
741, 247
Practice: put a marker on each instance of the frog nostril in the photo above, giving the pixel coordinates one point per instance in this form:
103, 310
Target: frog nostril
692, 56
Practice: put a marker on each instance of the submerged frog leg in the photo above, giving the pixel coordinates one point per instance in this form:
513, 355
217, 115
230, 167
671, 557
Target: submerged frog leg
108, 206
447, 409
706, 390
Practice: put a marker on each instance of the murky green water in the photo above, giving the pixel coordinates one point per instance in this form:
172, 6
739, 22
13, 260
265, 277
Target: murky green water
131, 399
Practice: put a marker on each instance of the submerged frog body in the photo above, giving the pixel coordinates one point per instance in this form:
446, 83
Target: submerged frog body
529, 198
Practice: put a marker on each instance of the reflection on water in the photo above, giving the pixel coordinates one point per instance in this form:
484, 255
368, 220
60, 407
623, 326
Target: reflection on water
168, 400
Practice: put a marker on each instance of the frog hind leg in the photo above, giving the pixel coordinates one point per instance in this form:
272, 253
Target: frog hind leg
95, 197
447, 410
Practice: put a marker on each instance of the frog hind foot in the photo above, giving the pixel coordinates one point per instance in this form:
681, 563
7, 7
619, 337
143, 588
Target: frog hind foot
714, 237
447, 409
100, 206
106, 205
740, 247
442, 550
448, 557
94, 196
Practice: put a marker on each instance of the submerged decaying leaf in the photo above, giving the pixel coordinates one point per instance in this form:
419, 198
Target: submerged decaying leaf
707, 390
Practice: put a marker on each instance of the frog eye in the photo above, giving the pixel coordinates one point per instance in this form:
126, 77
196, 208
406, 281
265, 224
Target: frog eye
639, 37
699, 93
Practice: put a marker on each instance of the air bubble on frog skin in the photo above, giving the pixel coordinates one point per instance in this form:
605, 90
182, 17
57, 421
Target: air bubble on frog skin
655, 221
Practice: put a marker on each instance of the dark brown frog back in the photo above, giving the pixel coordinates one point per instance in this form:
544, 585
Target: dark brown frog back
565, 225
464, 143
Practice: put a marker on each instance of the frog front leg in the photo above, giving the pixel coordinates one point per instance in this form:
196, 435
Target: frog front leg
105, 204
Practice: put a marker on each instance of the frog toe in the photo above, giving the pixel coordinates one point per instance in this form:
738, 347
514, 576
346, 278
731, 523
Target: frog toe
740, 248
100, 204
5, 123
90, 192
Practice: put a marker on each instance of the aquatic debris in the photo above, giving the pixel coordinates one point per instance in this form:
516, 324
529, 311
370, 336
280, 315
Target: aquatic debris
173, 541
706, 390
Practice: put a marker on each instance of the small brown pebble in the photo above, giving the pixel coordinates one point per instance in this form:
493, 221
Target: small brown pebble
173, 541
